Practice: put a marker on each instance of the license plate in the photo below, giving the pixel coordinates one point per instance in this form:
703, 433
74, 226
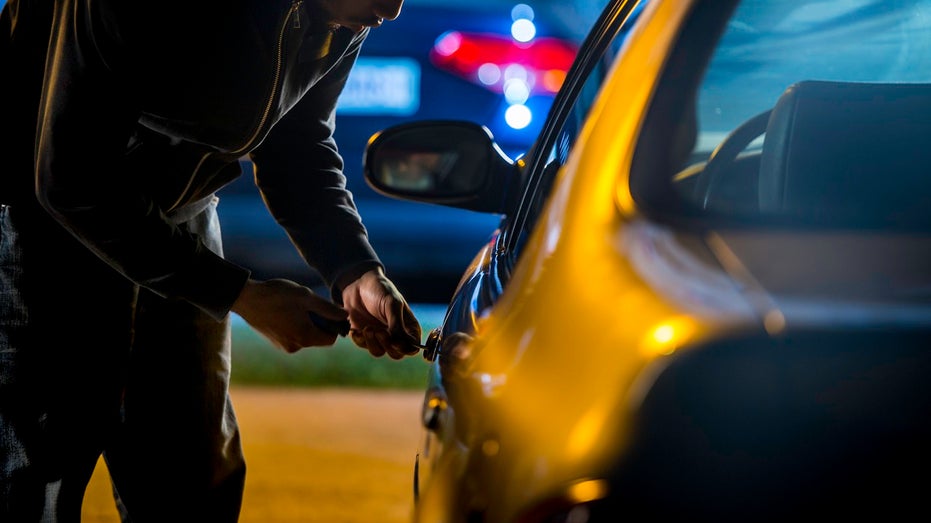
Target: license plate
381, 86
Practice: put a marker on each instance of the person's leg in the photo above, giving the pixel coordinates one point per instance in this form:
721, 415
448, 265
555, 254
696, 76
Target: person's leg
178, 453
64, 332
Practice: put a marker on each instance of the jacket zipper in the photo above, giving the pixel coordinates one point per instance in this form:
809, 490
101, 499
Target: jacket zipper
294, 15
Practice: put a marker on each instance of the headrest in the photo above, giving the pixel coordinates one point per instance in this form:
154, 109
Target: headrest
851, 153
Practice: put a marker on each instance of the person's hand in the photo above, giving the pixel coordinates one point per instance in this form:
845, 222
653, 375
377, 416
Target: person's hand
280, 310
381, 320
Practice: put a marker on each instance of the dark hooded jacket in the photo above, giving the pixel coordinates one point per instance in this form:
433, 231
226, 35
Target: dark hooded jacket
122, 117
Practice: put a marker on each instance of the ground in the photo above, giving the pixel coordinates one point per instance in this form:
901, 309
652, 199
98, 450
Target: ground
315, 455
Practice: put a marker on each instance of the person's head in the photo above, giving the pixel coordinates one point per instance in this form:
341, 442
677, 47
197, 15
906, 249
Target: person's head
356, 14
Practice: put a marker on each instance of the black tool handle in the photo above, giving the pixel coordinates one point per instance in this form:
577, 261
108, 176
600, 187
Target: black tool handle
335, 327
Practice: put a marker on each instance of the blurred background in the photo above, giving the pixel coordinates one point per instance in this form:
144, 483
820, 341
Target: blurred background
494, 62
497, 63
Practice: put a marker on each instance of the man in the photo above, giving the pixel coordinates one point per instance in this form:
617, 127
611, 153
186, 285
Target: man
122, 119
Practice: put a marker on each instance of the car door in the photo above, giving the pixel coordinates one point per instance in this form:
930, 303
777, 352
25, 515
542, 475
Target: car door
487, 278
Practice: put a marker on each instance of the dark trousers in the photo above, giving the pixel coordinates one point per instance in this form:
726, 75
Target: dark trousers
91, 365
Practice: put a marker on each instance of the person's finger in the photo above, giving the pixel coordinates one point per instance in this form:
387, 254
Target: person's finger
358, 337
411, 325
399, 351
360, 314
402, 324
383, 341
405, 345
374, 341
392, 348
391, 311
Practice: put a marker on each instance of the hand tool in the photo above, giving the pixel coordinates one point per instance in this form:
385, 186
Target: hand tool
335, 327
341, 328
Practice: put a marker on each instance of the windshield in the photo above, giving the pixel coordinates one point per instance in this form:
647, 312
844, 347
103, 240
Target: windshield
810, 113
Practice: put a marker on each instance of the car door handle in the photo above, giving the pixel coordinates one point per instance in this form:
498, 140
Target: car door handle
431, 345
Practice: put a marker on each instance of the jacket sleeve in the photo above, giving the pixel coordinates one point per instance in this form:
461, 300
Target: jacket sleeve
299, 172
87, 114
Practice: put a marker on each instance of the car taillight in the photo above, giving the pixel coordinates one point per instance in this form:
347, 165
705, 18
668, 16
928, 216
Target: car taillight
499, 62
518, 66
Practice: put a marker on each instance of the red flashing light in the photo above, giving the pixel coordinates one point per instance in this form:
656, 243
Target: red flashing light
546, 59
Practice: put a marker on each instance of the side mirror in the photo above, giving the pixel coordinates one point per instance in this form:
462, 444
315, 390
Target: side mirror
452, 163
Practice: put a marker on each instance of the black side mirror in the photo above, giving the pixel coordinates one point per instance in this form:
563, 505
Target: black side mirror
452, 163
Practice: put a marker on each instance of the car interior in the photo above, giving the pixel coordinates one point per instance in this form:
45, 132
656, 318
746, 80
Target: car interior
829, 149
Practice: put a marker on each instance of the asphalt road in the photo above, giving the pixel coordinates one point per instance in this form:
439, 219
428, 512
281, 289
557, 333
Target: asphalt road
315, 455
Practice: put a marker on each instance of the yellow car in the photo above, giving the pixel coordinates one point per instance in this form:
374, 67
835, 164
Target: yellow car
709, 295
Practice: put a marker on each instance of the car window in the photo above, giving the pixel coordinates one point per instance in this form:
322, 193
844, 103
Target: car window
566, 122
558, 152
811, 113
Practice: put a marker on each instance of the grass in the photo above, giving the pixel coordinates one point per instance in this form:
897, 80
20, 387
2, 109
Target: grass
258, 362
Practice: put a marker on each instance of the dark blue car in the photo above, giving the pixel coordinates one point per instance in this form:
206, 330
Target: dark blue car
477, 61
